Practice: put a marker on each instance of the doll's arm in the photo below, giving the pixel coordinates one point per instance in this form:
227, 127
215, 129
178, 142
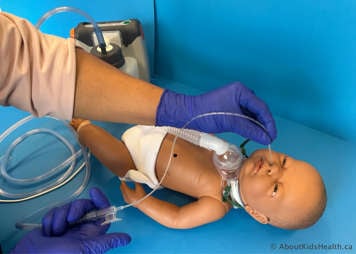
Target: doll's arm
204, 210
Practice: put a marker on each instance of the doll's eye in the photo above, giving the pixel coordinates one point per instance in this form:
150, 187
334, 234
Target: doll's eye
275, 190
284, 161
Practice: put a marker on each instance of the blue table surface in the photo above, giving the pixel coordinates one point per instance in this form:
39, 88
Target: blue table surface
236, 233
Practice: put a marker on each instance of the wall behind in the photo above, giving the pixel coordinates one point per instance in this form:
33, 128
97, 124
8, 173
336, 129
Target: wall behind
299, 56
61, 23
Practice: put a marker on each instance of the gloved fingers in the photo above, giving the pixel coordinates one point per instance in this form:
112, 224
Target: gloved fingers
47, 223
55, 221
78, 208
271, 130
253, 131
90, 229
104, 243
99, 199
255, 108
118, 239
261, 123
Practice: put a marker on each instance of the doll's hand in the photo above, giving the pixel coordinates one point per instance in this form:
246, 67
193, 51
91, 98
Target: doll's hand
131, 195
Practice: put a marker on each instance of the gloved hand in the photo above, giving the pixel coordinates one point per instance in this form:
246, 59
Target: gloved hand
177, 109
58, 236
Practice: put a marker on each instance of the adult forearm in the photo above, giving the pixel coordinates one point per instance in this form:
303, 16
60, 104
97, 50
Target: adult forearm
41, 74
104, 93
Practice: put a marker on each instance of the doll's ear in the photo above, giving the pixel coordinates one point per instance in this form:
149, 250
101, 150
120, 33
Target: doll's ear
256, 215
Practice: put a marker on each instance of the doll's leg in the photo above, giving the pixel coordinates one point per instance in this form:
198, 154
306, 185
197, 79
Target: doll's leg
110, 151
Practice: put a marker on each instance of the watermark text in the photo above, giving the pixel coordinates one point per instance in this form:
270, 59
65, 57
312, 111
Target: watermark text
311, 246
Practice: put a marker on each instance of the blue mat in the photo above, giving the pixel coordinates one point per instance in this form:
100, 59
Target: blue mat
237, 232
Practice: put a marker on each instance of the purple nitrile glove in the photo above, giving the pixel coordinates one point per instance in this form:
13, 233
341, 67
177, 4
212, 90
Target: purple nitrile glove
59, 236
177, 109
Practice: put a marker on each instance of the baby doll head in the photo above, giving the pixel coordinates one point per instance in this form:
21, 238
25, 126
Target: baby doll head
281, 191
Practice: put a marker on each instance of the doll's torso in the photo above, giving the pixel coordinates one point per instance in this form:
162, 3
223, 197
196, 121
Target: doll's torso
191, 170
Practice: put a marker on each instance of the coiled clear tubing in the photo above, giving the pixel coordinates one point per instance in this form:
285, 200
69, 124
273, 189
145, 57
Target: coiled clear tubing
67, 167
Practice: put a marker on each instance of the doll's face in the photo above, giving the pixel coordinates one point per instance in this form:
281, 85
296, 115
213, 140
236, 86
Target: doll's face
278, 188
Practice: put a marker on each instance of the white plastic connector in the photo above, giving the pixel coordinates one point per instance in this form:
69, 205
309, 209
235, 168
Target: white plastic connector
109, 47
201, 139
214, 143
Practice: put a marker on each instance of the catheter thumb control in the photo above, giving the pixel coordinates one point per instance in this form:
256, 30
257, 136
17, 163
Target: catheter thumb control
177, 109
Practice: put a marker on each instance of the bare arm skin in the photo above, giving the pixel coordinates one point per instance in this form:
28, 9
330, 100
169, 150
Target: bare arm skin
105, 93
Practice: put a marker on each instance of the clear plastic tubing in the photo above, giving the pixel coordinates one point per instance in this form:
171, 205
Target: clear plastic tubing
97, 30
67, 175
43, 177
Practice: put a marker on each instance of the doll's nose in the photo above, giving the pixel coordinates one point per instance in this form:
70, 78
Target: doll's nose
272, 169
